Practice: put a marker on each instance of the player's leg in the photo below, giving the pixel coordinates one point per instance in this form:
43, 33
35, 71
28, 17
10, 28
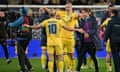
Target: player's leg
66, 60
108, 62
44, 50
108, 56
50, 50
70, 49
43, 57
59, 53
90, 62
66, 57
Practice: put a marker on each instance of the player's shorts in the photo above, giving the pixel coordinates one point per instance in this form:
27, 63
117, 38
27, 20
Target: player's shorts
68, 45
108, 48
58, 49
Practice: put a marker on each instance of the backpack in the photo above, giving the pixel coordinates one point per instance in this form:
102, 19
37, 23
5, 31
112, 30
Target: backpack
26, 32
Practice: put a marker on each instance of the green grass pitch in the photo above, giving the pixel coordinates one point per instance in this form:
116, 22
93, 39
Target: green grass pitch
14, 66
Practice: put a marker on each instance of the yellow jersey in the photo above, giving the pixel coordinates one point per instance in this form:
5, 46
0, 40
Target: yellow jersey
70, 20
105, 23
53, 30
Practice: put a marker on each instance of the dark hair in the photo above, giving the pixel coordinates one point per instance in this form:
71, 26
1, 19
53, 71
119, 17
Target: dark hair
80, 11
46, 12
86, 9
111, 5
115, 12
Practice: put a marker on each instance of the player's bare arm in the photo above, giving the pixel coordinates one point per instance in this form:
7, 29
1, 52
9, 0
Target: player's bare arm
33, 26
75, 29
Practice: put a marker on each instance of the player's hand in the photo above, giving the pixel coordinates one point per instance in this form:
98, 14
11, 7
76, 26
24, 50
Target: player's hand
86, 35
81, 30
26, 25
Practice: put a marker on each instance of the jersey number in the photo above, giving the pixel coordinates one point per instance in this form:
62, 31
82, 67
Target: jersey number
52, 28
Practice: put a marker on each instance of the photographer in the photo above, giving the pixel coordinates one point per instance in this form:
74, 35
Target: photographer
3, 35
23, 38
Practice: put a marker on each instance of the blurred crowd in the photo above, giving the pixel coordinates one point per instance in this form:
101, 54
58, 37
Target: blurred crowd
61, 2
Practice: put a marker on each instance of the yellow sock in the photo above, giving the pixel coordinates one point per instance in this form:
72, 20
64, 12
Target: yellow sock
60, 66
108, 65
50, 66
90, 61
43, 60
73, 65
67, 62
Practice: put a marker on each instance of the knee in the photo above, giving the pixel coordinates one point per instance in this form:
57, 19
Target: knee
44, 51
60, 57
50, 57
65, 53
71, 55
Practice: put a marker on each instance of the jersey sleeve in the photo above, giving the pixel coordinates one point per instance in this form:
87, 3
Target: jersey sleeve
61, 23
75, 16
105, 22
43, 23
59, 13
76, 23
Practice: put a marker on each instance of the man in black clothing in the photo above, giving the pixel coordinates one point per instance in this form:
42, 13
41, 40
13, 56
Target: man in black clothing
23, 39
79, 39
3, 36
106, 15
90, 40
113, 33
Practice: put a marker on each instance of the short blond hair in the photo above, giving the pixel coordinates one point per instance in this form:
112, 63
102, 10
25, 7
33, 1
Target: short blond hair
52, 12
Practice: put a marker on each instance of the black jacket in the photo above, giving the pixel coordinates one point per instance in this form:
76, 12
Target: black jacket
104, 17
3, 34
43, 17
93, 32
113, 30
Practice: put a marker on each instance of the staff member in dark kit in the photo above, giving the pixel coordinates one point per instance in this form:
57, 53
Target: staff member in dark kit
79, 39
113, 33
3, 35
91, 40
